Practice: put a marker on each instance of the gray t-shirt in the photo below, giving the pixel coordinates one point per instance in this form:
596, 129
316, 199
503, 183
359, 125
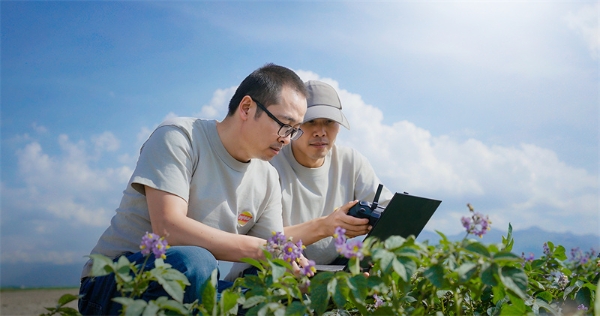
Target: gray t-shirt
185, 157
309, 193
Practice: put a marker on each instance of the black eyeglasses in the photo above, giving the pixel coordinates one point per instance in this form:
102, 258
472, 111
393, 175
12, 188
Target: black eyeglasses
285, 130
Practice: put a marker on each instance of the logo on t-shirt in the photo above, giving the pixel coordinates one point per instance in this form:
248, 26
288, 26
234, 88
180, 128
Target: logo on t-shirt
244, 218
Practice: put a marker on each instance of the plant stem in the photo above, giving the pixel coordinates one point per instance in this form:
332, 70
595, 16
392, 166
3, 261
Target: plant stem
136, 278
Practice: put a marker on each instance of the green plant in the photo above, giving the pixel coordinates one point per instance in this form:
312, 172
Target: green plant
404, 277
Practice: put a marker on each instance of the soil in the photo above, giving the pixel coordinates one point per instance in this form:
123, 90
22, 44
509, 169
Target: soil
32, 301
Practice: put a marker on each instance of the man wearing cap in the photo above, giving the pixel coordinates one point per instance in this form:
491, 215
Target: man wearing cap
317, 177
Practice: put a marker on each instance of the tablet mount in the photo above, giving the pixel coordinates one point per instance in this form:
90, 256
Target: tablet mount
364, 209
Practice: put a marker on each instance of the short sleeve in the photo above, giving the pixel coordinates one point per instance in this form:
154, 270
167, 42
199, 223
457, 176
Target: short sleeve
166, 162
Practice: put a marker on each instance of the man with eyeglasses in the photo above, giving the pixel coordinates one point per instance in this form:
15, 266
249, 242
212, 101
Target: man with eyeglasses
205, 185
317, 176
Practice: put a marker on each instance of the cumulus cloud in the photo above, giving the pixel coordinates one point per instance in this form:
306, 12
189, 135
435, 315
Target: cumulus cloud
217, 107
105, 142
67, 186
57, 193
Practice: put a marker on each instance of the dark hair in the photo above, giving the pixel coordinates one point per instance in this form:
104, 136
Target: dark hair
265, 84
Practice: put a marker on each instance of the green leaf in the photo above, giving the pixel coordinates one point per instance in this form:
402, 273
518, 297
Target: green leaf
358, 287
478, 248
322, 277
400, 269
173, 288
101, 265
228, 301
67, 298
546, 296
277, 270
376, 284
559, 253
407, 252
331, 287
393, 242
488, 275
341, 292
171, 305
296, 309
466, 271
252, 282
435, 275
385, 259
131, 307
584, 296
517, 301
541, 303
253, 262
151, 309
253, 300
508, 242
319, 298
499, 294
503, 257
384, 311
444, 238
515, 280
511, 310
209, 294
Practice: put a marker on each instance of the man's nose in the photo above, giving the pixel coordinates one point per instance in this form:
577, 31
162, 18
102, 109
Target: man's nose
285, 140
320, 131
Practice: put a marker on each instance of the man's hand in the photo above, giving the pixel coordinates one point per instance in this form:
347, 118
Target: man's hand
340, 218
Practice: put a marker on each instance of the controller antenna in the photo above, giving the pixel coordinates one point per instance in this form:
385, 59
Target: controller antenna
376, 198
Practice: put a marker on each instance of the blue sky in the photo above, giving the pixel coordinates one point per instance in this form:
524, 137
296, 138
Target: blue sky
489, 103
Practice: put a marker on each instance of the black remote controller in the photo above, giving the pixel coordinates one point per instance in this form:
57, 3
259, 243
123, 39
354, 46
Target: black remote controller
364, 209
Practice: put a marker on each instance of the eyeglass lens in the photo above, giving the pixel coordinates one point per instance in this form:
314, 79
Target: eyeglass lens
285, 130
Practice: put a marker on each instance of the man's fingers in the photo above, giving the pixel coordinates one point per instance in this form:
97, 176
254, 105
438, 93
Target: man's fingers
346, 207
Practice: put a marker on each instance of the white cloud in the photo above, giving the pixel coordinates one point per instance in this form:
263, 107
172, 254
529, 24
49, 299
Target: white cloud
105, 142
67, 186
39, 128
585, 22
218, 105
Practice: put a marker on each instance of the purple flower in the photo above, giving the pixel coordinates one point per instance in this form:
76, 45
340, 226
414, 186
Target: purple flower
477, 224
155, 244
278, 238
291, 251
378, 300
466, 222
352, 249
582, 307
340, 238
309, 269
275, 243
546, 249
529, 258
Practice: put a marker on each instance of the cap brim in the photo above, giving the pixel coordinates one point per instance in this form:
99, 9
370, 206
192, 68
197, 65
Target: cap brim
328, 112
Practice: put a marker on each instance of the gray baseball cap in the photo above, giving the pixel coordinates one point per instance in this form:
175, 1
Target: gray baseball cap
323, 102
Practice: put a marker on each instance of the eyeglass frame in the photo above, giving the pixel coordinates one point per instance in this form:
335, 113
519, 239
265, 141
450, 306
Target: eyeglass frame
293, 133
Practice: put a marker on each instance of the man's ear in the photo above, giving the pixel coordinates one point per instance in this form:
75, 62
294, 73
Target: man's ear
244, 108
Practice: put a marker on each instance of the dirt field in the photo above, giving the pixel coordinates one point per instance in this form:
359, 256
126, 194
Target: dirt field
32, 302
